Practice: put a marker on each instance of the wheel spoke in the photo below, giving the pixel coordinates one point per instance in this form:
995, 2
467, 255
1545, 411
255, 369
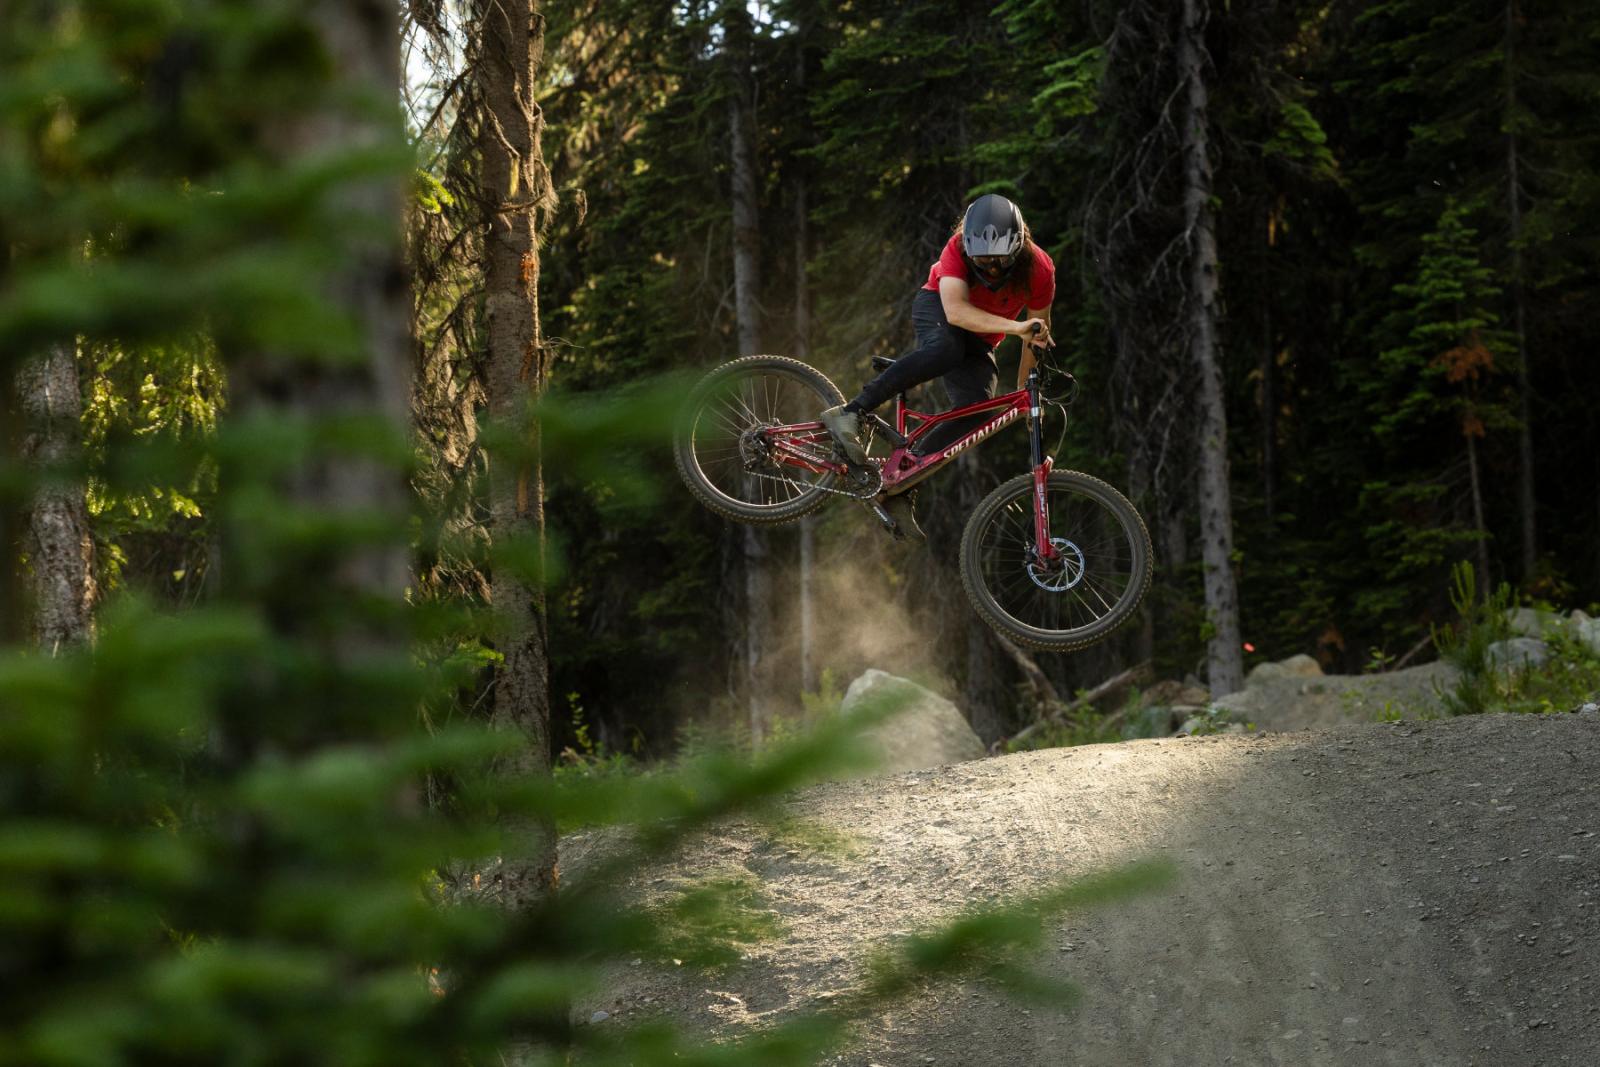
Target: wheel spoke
1092, 576
737, 461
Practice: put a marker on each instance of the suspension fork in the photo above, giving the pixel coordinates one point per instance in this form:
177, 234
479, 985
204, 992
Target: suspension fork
1041, 471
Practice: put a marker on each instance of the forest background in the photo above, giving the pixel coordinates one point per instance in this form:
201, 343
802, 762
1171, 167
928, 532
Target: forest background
1401, 203
1404, 202
1404, 205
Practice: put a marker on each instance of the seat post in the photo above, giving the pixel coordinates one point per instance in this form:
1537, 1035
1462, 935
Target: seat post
883, 363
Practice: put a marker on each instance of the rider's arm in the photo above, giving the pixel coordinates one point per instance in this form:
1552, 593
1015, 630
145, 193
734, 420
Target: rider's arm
1028, 356
959, 311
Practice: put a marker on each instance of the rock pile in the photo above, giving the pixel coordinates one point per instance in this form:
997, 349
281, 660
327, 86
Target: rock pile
1532, 631
1294, 694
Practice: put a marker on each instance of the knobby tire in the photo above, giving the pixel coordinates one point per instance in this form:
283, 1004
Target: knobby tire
1115, 552
725, 402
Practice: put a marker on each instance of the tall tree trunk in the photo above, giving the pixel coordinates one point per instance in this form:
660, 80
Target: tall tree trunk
370, 287
808, 528
984, 713
1142, 493
737, 37
1225, 661
758, 632
746, 220
515, 187
802, 351
1525, 494
1477, 512
1269, 396
13, 615
306, 593
56, 535
808, 610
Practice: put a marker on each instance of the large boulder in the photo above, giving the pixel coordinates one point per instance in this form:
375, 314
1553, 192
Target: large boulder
1587, 630
1518, 653
1531, 622
1284, 700
927, 730
1297, 666
1171, 693
1541, 625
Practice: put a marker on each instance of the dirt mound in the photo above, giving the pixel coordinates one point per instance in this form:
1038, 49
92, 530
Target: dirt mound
1415, 893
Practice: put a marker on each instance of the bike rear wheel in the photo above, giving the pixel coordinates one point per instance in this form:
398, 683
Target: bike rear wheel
1060, 605
728, 455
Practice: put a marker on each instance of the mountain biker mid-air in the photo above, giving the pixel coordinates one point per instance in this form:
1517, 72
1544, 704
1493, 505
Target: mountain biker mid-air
989, 271
1053, 559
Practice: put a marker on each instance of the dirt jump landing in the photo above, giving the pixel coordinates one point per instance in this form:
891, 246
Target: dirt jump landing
1408, 894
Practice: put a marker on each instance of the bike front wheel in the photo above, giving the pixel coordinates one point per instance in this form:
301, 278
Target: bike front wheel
1099, 573
748, 443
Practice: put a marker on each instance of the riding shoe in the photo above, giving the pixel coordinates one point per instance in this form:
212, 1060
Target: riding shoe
903, 509
845, 426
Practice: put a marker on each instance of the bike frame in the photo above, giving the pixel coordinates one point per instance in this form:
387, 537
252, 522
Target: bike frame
796, 446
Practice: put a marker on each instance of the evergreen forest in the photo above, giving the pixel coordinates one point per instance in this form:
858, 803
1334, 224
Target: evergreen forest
1403, 205
340, 349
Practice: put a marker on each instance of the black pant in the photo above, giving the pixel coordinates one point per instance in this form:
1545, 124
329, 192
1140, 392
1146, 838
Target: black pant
959, 356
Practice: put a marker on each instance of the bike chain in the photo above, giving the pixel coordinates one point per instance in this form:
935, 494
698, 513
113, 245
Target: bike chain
875, 488
875, 485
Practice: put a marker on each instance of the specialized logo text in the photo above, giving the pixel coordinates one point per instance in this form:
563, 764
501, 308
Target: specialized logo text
1004, 420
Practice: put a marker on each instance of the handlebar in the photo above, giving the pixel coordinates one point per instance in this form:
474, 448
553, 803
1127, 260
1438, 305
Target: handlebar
1036, 375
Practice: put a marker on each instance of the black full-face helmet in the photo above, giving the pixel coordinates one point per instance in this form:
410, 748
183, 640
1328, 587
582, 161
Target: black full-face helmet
991, 237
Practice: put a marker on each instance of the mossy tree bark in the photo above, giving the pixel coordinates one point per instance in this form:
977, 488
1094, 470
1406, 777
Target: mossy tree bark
56, 537
515, 188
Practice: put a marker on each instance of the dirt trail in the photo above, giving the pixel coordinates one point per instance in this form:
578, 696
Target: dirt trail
1416, 893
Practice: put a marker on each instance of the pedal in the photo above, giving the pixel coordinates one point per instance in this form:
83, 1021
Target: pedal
889, 525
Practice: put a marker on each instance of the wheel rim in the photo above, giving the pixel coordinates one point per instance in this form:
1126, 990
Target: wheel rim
1091, 578
736, 432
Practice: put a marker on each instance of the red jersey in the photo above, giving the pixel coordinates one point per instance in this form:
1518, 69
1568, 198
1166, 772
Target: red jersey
1009, 298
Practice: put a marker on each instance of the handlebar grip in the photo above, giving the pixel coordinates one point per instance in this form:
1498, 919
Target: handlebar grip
1034, 331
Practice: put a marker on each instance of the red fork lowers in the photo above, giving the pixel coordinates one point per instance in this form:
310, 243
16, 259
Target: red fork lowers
1041, 509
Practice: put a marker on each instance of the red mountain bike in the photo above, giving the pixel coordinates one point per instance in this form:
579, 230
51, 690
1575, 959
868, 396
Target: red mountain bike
1054, 560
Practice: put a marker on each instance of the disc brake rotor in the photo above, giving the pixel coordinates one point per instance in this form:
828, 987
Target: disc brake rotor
1059, 574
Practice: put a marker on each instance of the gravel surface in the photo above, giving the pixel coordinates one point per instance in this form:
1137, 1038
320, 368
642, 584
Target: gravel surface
1416, 893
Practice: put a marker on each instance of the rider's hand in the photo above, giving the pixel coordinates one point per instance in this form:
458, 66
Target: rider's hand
1026, 330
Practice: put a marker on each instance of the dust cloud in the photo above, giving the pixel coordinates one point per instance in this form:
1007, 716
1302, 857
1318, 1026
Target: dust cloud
870, 607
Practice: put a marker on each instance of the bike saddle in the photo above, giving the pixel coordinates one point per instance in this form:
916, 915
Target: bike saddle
882, 362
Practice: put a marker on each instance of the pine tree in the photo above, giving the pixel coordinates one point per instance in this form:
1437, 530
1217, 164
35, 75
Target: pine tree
1439, 396
1474, 107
